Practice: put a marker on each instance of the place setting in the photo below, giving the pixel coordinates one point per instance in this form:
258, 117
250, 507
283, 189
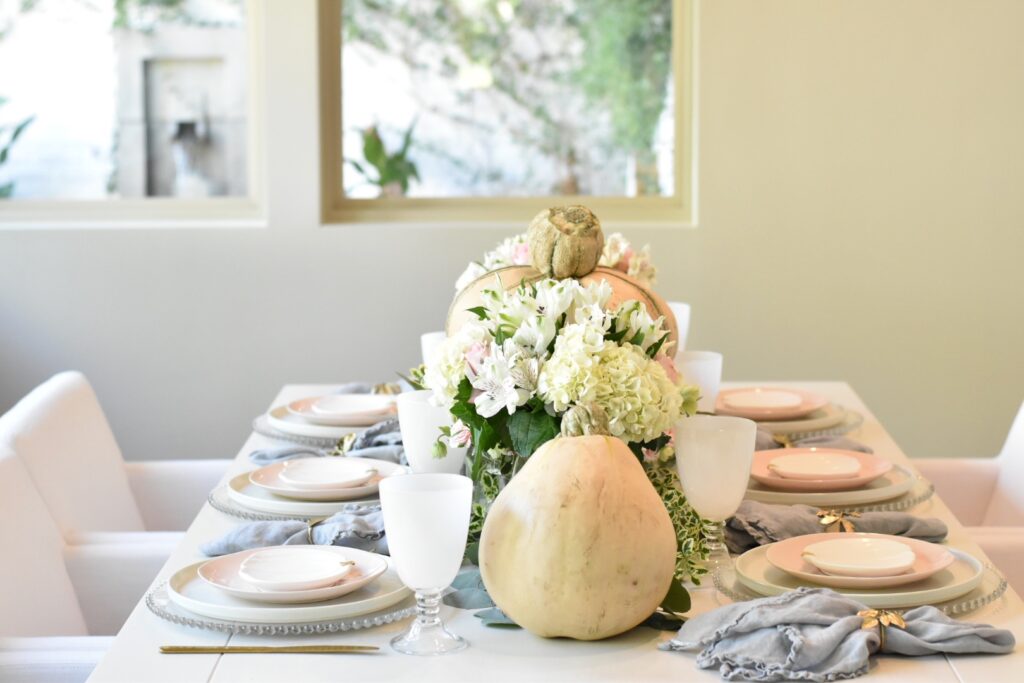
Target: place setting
787, 413
323, 420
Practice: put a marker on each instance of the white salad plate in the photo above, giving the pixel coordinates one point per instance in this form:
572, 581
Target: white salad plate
292, 568
892, 484
188, 590
960, 577
226, 574
860, 556
344, 410
269, 479
815, 465
768, 403
283, 420
869, 468
319, 474
252, 497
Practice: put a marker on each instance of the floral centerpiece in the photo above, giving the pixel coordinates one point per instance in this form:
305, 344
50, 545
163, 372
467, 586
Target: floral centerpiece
556, 357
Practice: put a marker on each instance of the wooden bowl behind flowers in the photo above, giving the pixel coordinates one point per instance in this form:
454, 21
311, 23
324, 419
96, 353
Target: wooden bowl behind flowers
624, 288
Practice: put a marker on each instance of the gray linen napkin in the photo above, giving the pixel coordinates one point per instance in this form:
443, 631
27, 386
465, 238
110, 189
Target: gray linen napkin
382, 441
361, 528
766, 441
814, 634
757, 524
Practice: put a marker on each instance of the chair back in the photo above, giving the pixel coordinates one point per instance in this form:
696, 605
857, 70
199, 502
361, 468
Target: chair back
37, 598
60, 433
1007, 505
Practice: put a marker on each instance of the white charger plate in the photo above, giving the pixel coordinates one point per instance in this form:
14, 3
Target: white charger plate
961, 577
187, 590
826, 418
223, 573
282, 420
269, 479
246, 494
892, 484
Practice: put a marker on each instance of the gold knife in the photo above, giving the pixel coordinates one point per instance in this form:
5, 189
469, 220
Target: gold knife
266, 649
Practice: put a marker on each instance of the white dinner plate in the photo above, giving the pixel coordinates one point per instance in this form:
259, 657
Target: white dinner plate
344, 410
826, 418
961, 577
814, 465
318, 474
860, 555
269, 479
292, 568
281, 419
892, 484
187, 590
252, 497
768, 403
223, 573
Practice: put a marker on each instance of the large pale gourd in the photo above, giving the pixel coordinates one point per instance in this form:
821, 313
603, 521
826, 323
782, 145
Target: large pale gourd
578, 544
624, 288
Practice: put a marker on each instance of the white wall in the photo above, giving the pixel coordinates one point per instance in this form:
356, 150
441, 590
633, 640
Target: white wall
861, 218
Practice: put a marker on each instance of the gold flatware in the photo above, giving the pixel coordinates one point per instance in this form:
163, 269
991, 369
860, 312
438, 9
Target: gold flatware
266, 649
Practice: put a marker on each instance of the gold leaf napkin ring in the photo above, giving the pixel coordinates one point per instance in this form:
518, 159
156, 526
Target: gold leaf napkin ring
836, 521
881, 619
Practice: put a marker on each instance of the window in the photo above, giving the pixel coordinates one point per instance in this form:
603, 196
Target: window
457, 109
133, 101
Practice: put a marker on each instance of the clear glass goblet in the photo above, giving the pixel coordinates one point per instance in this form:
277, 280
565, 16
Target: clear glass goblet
426, 521
713, 456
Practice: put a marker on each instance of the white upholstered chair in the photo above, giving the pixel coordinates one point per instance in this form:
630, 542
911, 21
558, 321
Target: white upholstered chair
61, 434
682, 313
61, 603
987, 496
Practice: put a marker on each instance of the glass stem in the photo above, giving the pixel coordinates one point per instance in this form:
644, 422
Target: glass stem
428, 607
716, 542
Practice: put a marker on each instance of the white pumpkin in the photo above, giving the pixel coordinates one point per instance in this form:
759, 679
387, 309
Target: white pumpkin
578, 544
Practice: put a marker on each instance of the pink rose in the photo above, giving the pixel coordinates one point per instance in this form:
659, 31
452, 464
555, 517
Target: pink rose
521, 255
475, 356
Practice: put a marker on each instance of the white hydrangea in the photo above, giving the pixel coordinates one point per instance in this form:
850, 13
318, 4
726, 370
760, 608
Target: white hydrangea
637, 396
568, 373
448, 366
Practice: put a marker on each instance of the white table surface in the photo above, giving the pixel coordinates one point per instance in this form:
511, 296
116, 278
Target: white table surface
501, 654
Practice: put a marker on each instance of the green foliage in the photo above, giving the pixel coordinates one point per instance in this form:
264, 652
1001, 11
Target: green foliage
9, 134
390, 169
529, 429
677, 600
692, 532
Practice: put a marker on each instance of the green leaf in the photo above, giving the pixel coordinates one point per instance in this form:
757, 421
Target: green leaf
495, 617
373, 150
654, 348
677, 600
529, 429
407, 141
473, 552
478, 311
662, 621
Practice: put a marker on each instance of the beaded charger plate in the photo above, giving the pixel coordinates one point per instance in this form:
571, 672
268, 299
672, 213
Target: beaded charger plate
159, 603
261, 425
221, 501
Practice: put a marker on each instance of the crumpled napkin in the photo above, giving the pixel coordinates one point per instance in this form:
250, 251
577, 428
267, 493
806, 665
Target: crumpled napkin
765, 441
382, 441
757, 524
815, 634
358, 527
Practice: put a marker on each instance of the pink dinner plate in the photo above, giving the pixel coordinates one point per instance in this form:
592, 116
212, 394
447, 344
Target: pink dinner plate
787, 556
223, 572
768, 403
871, 468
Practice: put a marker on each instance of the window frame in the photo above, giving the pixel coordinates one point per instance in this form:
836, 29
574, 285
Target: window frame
167, 212
337, 209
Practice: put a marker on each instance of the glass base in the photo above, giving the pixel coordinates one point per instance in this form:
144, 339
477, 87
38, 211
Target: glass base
427, 639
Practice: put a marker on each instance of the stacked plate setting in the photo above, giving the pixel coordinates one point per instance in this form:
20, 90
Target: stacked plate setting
879, 570
332, 416
288, 584
785, 411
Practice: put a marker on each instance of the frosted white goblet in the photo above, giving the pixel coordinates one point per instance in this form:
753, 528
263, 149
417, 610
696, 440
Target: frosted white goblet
430, 342
426, 521
421, 422
703, 368
713, 456
682, 313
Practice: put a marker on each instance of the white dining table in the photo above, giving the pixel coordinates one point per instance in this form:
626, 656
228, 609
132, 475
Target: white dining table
502, 654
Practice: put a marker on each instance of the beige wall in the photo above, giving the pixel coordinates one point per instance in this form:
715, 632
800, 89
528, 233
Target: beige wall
861, 218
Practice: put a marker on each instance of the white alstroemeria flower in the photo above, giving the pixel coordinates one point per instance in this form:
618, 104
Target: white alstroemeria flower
535, 334
526, 373
615, 247
594, 293
554, 297
496, 385
632, 316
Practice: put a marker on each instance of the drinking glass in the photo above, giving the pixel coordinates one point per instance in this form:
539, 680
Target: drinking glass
703, 368
682, 313
429, 343
421, 422
426, 520
713, 456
